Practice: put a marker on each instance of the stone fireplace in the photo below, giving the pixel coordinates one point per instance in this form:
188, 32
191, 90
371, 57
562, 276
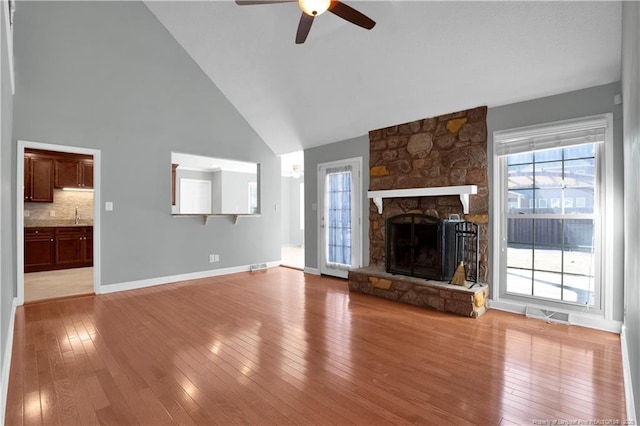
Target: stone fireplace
446, 151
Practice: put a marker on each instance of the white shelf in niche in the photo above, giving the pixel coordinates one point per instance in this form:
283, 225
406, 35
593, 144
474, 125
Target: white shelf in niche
463, 191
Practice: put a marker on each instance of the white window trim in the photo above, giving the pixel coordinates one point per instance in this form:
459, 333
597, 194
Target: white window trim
606, 171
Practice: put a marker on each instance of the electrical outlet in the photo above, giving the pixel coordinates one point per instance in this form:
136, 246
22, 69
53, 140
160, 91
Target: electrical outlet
212, 258
27, 213
52, 213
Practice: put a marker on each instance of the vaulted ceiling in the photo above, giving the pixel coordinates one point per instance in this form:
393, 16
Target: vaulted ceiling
422, 59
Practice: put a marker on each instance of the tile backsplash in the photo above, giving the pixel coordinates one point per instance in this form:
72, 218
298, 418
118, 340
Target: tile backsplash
63, 206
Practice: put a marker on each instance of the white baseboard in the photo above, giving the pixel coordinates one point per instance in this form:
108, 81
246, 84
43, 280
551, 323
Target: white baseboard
312, 271
6, 361
628, 383
501, 305
575, 318
150, 282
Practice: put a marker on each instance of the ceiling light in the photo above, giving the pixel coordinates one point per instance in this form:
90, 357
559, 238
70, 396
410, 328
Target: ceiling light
314, 7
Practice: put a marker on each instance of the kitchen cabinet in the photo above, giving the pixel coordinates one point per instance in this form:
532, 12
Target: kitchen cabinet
50, 248
38, 178
39, 249
71, 171
71, 246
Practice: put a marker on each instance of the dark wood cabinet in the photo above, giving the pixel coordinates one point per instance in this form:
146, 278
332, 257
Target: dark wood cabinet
58, 248
68, 246
71, 246
87, 250
73, 172
87, 173
38, 178
39, 249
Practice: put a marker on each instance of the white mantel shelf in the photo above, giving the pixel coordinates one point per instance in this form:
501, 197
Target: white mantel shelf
463, 191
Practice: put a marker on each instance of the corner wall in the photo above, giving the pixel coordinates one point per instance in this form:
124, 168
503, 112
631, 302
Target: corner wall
109, 76
631, 108
7, 214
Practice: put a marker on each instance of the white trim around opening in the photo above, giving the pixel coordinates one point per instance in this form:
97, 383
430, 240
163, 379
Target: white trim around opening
20, 209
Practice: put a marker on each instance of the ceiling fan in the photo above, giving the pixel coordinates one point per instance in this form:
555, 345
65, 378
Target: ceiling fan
313, 8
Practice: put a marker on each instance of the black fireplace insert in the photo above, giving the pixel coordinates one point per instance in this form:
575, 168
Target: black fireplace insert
424, 246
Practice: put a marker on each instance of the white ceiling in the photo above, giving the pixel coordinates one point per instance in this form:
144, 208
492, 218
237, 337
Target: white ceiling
422, 59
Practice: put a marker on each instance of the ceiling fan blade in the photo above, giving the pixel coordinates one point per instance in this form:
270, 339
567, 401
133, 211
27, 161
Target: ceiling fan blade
350, 14
252, 2
303, 28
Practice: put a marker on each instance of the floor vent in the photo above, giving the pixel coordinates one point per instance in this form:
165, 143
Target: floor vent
547, 315
258, 267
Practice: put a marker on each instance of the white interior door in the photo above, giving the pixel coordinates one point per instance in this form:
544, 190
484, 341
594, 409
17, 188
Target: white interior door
340, 203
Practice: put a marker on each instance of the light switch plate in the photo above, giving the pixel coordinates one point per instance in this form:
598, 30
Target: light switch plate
108, 206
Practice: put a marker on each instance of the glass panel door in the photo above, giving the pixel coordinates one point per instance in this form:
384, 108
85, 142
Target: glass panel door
340, 218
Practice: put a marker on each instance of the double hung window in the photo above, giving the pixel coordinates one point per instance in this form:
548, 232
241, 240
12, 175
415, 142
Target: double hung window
551, 211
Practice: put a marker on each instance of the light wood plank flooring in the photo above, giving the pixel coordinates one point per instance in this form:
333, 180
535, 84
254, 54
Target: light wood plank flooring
54, 284
282, 347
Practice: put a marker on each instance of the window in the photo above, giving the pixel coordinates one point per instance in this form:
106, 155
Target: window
551, 252
253, 197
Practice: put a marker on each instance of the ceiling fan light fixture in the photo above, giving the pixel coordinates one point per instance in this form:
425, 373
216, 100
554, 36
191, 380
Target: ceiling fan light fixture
314, 7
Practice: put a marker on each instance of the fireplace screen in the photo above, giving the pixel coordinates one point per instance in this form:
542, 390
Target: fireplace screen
428, 247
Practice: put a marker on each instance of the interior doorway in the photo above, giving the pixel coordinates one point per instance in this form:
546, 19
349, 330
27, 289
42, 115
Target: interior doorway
292, 194
58, 218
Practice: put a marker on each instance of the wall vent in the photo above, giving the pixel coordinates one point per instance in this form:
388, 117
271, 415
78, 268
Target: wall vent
258, 267
547, 315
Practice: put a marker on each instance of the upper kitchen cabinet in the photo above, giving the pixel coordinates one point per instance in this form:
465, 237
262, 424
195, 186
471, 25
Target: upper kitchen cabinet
73, 171
38, 178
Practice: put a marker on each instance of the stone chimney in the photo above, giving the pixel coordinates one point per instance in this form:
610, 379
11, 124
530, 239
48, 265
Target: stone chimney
448, 150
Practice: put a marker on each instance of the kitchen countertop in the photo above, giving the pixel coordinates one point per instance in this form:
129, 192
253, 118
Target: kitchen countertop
55, 224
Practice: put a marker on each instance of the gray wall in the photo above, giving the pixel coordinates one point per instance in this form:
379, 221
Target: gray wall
292, 235
581, 103
631, 107
235, 191
350, 148
107, 75
7, 217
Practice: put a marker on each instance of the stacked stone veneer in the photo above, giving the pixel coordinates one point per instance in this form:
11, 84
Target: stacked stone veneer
448, 150
459, 300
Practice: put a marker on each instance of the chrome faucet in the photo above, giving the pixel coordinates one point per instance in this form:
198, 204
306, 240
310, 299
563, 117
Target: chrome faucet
77, 218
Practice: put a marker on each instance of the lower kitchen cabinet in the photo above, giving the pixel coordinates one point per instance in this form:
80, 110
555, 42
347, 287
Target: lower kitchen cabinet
66, 247
39, 249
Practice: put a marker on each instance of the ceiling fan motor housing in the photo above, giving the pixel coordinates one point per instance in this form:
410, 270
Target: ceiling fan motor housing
314, 7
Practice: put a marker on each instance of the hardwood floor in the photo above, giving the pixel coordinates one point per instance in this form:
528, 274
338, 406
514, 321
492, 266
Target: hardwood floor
283, 347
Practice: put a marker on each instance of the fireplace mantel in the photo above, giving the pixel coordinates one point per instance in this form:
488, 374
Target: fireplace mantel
463, 191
